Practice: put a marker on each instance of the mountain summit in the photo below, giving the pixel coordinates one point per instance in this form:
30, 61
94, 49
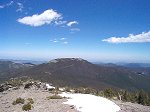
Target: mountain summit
78, 72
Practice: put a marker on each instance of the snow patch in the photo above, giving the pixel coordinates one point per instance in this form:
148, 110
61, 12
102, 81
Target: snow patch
80, 59
90, 103
53, 61
49, 87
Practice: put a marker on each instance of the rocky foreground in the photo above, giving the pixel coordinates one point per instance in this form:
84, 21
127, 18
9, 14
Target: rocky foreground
39, 96
131, 107
42, 103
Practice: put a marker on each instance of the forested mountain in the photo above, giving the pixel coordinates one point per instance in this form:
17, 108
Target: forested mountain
77, 72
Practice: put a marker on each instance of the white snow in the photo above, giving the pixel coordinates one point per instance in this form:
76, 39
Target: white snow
90, 103
53, 61
80, 59
62, 89
49, 87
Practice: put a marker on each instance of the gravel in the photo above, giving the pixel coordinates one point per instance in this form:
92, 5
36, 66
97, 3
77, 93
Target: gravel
41, 103
132, 107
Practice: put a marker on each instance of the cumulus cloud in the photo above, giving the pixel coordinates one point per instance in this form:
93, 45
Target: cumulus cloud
20, 7
71, 23
46, 17
139, 38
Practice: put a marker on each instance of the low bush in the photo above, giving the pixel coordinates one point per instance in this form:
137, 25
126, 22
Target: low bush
15, 82
27, 107
54, 97
18, 101
30, 100
85, 90
109, 93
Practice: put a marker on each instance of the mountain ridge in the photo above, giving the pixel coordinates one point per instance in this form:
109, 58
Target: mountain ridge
77, 72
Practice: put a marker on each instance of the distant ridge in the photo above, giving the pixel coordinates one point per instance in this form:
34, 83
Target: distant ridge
77, 72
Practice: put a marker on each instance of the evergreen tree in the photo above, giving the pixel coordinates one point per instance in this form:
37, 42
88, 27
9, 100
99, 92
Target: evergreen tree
109, 93
126, 96
143, 98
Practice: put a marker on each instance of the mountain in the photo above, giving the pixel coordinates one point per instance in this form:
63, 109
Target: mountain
78, 72
24, 61
141, 70
134, 65
9, 69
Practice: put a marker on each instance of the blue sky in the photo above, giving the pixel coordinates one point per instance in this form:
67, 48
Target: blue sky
97, 30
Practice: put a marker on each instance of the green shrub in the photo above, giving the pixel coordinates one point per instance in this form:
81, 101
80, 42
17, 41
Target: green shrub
127, 96
27, 107
18, 101
109, 93
54, 97
15, 82
85, 90
79, 90
55, 92
143, 98
90, 91
67, 89
30, 100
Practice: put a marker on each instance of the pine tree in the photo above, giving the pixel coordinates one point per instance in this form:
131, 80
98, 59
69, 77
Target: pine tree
143, 98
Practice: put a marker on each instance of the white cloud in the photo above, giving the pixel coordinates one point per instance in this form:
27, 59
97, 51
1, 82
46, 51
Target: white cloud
10, 3
55, 41
139, 38
27, 43
6, 5
74, 29
46, 17
60, 22
2, 6
71, 23
60, 41
63, 39
20, 7
65, 42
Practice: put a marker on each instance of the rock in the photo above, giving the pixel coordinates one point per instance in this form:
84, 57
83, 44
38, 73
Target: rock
28, 85
72, 106
4, 87
1, 89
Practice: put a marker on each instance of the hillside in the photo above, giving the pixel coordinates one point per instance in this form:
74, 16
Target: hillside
76, 72
9, 69
81, 73
40, 96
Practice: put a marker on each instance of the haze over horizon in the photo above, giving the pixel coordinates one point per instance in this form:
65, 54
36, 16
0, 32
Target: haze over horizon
108, 31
